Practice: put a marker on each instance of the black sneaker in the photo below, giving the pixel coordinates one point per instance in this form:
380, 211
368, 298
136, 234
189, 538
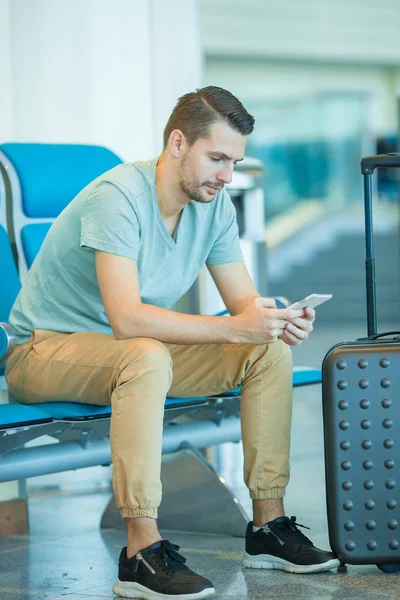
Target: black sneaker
281, 545
158, 571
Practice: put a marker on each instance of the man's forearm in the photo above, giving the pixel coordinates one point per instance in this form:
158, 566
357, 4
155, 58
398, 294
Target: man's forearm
176, 328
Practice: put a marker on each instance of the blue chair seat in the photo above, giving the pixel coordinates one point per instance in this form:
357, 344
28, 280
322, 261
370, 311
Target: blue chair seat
172, 402
76, 411
301, 376
20, 415
306, 376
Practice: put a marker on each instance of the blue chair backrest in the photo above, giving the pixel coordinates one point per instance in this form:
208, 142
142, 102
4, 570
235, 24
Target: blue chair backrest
32, 237
51, 175
9, 280
44, 178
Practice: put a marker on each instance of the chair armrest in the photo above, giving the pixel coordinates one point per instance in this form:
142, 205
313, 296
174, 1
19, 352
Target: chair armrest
7, 341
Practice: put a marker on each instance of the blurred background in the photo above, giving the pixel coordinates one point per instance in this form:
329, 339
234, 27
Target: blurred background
321, 77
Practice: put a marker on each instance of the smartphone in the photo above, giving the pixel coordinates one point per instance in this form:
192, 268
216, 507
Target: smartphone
311, 301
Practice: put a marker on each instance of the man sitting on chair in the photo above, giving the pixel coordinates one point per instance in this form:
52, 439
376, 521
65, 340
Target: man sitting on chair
95, 325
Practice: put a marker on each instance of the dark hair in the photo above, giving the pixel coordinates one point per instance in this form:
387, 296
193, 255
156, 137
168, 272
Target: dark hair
195, 112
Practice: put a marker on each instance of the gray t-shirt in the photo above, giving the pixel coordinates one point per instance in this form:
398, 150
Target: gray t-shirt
118, 213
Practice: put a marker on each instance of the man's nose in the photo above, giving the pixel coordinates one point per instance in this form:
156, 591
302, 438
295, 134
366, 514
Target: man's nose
225, 174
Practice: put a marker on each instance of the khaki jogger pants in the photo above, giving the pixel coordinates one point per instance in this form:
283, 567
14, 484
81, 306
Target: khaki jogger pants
135, 375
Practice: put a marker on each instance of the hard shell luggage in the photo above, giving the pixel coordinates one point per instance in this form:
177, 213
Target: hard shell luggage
361, 411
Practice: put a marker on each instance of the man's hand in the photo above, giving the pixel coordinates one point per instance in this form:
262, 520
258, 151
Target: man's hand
298, 330
262, 323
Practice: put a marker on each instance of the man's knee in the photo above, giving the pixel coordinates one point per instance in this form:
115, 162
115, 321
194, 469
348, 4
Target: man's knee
153, 351
276, 352
146, 355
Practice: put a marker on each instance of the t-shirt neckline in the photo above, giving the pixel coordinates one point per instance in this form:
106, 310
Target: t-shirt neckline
171, 240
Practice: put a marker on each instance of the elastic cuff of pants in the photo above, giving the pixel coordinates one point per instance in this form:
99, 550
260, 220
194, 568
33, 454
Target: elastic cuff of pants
137, 513
267, 494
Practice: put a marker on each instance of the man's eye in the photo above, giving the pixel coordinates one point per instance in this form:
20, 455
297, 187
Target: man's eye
215, 159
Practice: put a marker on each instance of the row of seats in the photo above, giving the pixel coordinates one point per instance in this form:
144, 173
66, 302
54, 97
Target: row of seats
37, 181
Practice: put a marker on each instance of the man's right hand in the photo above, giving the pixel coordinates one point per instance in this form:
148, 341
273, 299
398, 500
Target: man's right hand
261, 322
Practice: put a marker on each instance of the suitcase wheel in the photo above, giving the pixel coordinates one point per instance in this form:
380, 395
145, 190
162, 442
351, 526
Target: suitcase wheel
389, 568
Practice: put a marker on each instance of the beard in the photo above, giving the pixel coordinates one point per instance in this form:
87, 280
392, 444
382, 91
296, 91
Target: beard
193, 190
192, 186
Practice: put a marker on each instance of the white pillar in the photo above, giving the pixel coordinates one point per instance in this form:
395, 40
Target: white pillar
6, 108
96, 71
177, 57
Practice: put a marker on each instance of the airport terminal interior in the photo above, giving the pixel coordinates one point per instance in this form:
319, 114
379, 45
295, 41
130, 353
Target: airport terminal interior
322, 79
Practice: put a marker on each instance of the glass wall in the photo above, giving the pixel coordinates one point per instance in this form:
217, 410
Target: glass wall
310, 148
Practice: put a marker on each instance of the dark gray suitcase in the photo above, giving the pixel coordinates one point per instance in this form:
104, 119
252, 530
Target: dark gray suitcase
361, 409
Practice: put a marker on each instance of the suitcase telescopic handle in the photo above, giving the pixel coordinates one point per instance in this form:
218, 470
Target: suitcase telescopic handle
379, 335
369, 163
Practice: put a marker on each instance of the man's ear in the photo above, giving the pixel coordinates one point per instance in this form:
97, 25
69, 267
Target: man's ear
176, 142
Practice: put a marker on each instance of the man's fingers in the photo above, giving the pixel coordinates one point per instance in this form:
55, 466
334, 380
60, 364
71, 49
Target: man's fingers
290, 313
309, 314
279, 324
296, 331
303, 324
290, 339
293, 340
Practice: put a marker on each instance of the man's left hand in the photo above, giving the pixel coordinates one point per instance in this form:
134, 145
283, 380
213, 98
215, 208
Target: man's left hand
298, 330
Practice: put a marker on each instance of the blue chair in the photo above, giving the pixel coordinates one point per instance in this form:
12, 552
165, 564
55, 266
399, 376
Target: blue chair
43, 179
34, 173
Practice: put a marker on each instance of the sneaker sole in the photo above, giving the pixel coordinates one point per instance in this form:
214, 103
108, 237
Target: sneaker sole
128, 589
267, 561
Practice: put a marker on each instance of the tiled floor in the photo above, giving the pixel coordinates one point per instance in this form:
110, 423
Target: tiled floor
67, 556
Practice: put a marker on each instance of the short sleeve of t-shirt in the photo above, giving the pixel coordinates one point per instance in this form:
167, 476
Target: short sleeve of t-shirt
109, 222
226, 247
